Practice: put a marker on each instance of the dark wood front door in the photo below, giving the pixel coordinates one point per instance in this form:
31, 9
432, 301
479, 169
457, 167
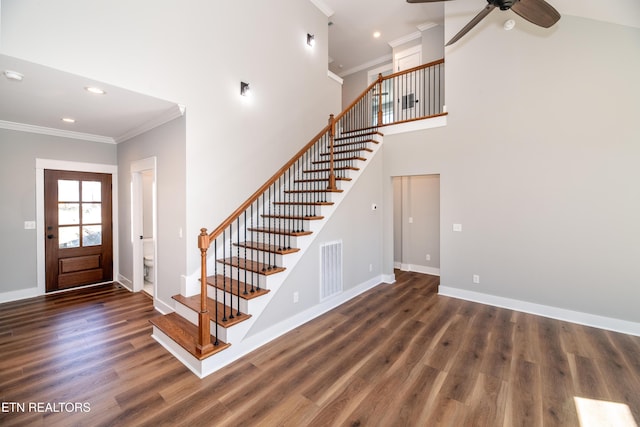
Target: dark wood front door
78, 229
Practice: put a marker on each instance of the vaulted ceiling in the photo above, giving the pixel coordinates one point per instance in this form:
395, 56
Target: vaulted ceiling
46, 96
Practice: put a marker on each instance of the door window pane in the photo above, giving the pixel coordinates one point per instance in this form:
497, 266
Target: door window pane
69, 237
91, 191
91, 213
68, 213
68, 191
91, 235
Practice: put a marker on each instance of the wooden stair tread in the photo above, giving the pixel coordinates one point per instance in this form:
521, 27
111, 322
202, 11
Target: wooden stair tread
281, 231
185, 334
250, 265
321, 190
299, 217
265, 247
352, 150
354, 134
338, 168
293, 202
193, 302
343, 159
347, 144
235, 287
338, 178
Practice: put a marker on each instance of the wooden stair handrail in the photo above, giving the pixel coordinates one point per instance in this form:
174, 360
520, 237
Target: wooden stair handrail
331, 126
227, 222
204, 344
382, 78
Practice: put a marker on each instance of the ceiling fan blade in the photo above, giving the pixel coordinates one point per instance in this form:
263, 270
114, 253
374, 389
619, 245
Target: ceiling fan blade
538, 12
479, 17
424, 1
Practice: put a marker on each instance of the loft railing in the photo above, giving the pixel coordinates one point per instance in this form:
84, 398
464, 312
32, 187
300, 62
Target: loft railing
408, 95
292, 196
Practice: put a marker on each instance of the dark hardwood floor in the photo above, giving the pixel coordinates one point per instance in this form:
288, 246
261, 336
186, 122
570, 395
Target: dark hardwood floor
398, 355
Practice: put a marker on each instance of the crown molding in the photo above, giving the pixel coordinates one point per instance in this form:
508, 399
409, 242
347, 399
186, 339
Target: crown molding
172, 113
23, 127
324, 8
335, 77
427, 26
366, 65
405, 39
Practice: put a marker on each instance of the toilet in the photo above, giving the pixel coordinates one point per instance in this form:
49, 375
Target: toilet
148, 269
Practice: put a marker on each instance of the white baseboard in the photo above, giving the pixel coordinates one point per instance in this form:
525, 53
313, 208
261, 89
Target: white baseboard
125, 282
162, 306
20, 294
419, 269
253, 342
581, 318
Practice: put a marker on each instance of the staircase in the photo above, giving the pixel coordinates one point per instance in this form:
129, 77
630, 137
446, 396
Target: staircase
246, 259
256, 252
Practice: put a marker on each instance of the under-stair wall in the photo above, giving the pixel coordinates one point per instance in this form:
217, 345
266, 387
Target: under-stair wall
356, 224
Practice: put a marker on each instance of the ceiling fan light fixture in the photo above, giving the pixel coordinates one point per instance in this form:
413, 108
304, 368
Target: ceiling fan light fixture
509, 24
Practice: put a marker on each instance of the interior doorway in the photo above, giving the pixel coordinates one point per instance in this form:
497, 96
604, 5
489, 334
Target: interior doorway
416, 223
407, 86
144, 226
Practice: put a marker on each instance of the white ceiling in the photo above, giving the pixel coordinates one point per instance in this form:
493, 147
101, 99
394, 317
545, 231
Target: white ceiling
45, 95
353, 48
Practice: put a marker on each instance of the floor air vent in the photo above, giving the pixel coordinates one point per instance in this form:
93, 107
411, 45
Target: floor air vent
330, 269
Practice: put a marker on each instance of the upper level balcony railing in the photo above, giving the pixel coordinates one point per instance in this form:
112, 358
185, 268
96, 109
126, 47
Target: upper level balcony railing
408, 95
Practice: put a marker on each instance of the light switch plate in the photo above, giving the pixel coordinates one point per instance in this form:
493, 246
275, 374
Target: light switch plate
457, 227
29, 225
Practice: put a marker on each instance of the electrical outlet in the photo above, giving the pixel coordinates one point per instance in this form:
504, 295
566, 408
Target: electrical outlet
428, 257
410, 220
476, 278
296, 297
370, 267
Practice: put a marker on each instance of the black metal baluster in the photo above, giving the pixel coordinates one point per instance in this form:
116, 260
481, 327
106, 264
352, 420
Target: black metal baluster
224, 275
246, 240
215, 283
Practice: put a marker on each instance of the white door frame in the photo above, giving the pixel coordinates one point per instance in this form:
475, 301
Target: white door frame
399, 112
137, 168
41, 165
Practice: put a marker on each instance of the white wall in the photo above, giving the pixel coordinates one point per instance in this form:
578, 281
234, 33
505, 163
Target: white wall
538, 162
196, 53
18, 154
358, 227
167, 144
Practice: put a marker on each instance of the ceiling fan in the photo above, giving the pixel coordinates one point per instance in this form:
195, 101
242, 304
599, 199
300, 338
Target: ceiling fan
538, 12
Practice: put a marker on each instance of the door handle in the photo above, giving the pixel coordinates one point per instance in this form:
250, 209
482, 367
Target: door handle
50, 236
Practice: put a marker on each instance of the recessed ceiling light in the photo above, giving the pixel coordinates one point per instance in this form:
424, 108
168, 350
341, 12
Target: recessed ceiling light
95, 90
68, 120
376, 34
13, 75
